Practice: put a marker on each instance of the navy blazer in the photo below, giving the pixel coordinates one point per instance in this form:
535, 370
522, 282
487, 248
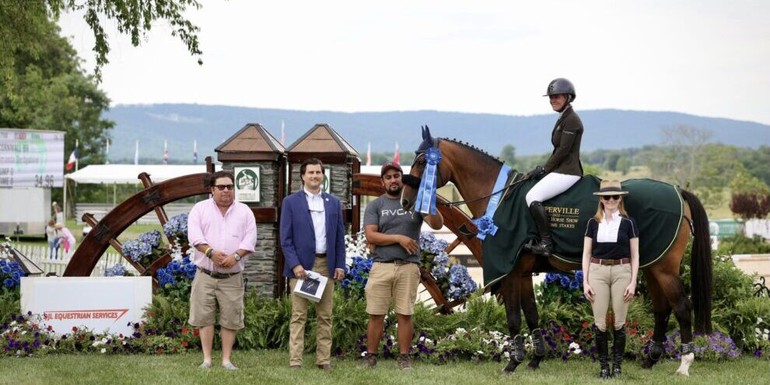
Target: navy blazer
298, 236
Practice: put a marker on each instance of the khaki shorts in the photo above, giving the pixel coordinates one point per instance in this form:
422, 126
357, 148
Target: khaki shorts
388, 283
209, 292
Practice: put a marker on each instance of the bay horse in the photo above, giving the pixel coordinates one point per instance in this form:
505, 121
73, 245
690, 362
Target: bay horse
474, 174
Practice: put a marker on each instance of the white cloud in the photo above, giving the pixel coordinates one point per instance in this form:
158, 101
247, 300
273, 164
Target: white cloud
701, 57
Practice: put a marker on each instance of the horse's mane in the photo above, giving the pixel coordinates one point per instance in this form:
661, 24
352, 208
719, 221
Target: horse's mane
474, 148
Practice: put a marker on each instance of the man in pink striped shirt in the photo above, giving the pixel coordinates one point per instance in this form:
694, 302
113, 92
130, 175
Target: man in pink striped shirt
223, 233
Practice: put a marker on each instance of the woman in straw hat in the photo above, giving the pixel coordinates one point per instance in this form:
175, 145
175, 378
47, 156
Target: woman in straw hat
610, 267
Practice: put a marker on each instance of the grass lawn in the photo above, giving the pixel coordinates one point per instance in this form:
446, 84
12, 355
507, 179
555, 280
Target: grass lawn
271, 367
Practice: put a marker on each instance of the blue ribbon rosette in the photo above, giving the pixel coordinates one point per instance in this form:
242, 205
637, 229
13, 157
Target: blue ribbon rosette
426, 194
485, 225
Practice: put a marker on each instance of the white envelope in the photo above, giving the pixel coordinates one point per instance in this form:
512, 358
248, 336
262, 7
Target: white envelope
312, 287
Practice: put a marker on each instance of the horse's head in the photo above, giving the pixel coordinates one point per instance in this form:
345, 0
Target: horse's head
412, 180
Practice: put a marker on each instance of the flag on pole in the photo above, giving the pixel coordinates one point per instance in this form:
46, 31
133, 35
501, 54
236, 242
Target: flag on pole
283, 135
73, 158
136, 153
369, 154
165, 151
195, 151
396, 156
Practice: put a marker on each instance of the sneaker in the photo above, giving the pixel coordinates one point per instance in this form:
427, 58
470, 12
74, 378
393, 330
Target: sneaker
369, 361
229, 366
404, 362
205, 365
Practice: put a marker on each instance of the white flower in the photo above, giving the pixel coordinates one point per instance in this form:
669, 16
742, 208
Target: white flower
507, 355
574, 347
479, 352
759, 320
104, 350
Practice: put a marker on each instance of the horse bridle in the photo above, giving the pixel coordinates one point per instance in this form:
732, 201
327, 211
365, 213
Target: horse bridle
414, 182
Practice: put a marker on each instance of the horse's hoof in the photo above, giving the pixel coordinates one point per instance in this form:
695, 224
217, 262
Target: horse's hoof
511, 367
534, 363
684, 366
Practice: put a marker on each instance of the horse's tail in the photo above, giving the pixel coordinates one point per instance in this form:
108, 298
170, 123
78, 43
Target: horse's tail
700, 264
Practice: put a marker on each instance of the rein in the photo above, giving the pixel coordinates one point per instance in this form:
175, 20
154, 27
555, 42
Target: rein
506, 187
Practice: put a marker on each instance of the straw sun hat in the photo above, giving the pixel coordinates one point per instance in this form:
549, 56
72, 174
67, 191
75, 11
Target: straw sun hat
610, 187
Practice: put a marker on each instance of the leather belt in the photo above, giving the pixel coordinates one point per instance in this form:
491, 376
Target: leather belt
217, 275
397, 262
611, 262
320, 255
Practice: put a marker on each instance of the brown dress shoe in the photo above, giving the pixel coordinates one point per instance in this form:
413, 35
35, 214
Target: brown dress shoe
325, 367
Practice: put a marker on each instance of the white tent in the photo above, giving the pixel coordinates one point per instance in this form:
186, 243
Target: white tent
128, 174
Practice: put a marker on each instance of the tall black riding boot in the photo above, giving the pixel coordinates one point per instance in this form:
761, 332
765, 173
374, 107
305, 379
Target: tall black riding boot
545, 246
618, 349
603, 351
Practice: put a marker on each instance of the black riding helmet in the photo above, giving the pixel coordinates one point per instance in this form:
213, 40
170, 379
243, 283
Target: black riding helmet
561, 86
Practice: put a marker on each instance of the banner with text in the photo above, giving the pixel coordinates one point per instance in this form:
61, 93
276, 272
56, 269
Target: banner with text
103, 304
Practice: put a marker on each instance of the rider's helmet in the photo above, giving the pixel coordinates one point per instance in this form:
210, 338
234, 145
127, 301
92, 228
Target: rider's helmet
561, 86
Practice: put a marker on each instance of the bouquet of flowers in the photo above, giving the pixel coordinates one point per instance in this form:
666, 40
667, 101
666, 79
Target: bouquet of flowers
563, 288
356, 275
117, 270
451, 276
146, 249
176, 278
10, 271
176, 228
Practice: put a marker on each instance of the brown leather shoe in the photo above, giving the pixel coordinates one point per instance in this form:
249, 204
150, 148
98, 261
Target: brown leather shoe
325, 367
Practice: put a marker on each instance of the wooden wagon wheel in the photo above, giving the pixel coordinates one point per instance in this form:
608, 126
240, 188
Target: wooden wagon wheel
105, 232
454, 219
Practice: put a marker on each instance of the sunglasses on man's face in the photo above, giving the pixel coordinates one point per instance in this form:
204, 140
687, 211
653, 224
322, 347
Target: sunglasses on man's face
610, 197
222, 187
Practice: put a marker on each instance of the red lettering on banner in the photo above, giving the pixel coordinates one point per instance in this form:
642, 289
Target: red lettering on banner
59, 315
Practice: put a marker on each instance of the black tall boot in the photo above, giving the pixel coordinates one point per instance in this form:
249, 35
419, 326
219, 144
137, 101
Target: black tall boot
545, 246
603, 350
618, 348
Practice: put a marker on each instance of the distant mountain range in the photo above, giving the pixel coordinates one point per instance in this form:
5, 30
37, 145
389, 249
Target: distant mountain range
209, 126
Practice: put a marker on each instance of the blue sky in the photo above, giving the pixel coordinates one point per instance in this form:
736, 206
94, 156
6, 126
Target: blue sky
705, 57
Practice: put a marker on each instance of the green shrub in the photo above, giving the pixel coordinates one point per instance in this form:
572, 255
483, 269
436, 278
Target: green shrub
747, 322
267, 322
740, 244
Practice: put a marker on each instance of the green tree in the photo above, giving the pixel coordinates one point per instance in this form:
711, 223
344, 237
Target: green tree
46, 89
23, 22
756, 161
750, 196
508, 155
678, 161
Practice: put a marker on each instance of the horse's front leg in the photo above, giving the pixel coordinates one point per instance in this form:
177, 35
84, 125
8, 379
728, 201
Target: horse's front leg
512, 300
529, 306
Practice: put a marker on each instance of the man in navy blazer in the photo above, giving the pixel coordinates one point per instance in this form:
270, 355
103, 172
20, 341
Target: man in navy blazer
312, 238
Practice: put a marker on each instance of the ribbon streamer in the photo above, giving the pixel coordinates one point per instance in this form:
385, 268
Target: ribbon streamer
426, 194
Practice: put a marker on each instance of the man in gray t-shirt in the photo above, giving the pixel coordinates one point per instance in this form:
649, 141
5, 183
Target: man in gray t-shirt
390, 218
395, 274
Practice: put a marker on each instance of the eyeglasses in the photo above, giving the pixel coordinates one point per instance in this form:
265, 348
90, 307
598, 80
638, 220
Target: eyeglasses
222, 187
613, 197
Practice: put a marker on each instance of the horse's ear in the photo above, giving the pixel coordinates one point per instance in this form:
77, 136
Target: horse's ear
426, 134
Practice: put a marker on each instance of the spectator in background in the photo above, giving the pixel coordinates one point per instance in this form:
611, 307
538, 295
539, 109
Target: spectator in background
65, 239
58, 214
50, 235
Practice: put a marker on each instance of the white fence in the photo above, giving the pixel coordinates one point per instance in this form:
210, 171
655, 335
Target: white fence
40, 256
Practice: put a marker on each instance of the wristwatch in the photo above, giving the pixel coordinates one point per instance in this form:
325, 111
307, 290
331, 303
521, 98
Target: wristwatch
237, 256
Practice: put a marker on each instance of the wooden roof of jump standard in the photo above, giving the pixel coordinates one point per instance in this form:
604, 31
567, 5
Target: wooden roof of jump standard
321, 142
252, 142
